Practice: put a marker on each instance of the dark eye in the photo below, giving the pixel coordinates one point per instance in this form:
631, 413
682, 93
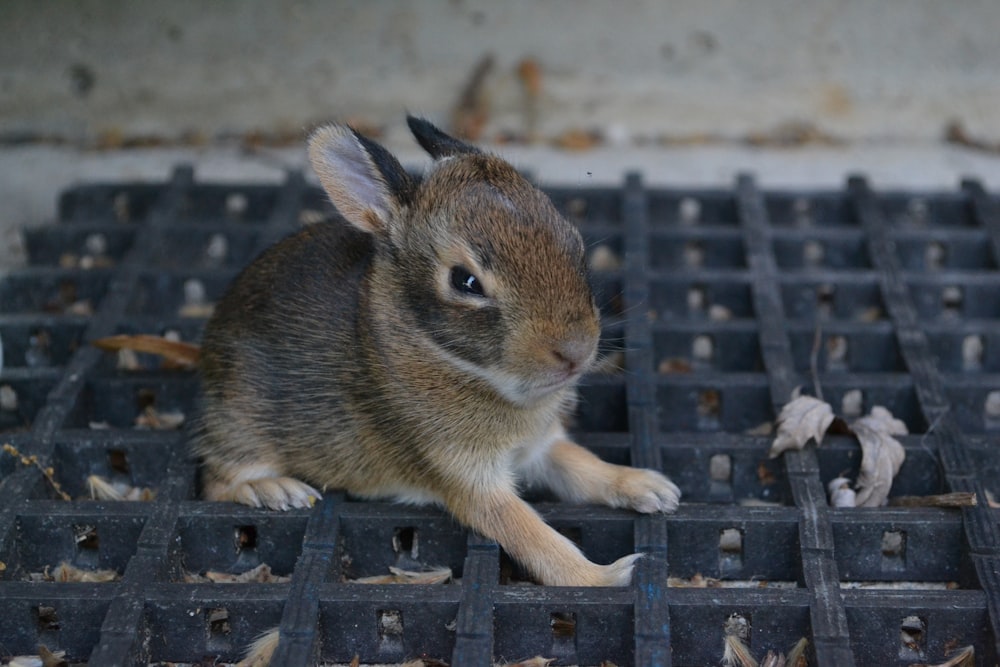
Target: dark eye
465, 282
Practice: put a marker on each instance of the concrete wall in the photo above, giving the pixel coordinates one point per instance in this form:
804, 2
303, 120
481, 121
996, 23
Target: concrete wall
685, 70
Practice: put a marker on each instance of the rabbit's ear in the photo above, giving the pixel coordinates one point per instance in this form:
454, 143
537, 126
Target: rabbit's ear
364, 181
436, 142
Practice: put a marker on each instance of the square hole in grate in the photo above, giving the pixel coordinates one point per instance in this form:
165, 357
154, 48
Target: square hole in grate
83, 541
605, 248
918, 210
734, 404
810, 210
956, 298
204, 247
710, 348
596, 205
690, 252
121, 464
840, 252
171, 295
698, 208
709, 471
40, 344
736, 547
379, 629
902, 546
146, 401
377, 536
187, 630
943, 251
236, 543
846, 348
711, 300
22, 395
52, 292
218, 203
856, 298
108, 203
969, 349
80, 246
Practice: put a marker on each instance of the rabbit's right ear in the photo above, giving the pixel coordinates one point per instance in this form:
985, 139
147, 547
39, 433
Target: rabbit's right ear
364, 181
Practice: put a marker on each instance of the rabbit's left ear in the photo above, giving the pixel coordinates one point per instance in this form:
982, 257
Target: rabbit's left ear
364, 181
436, 142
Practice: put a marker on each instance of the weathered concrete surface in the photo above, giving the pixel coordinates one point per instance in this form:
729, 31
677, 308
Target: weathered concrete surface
852, 68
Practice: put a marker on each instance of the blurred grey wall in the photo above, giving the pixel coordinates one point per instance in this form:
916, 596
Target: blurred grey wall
685, 70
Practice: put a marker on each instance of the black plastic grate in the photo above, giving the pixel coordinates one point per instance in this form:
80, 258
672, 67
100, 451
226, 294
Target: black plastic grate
711, 299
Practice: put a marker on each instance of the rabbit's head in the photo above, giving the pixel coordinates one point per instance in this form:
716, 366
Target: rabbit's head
473, 260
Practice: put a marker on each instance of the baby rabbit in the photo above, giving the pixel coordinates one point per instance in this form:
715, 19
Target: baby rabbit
425, 350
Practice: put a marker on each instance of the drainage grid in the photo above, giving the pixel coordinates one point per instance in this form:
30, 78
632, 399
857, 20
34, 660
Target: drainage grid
717, 305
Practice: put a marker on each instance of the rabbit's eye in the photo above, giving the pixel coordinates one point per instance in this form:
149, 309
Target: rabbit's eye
465, 282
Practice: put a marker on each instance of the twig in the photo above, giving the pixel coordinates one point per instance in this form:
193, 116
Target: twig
49, 473
956, 499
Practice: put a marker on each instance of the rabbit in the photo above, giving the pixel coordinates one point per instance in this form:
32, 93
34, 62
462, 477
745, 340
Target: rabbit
424, 348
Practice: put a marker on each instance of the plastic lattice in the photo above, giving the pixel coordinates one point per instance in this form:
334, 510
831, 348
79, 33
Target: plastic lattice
717, 305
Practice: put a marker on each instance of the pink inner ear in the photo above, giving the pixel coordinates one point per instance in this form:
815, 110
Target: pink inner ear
350, 179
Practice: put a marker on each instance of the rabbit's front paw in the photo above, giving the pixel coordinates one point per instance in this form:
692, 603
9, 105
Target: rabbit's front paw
646, 491
586, 573
276, 493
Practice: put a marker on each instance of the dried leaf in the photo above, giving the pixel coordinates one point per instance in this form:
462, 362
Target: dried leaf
797, 655
184, 355
101, 489
802, 419
737, 654
438, 575
261, 650
881, 455
537, 661
65, 572
151, 418
964, 657
259, 575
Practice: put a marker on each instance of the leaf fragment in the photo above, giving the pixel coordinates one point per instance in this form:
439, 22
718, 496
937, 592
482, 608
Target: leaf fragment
397, 575
802, 419
176, 353
881, 455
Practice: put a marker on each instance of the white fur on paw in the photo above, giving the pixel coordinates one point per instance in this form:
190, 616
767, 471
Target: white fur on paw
276, 493
648, 491
619, 573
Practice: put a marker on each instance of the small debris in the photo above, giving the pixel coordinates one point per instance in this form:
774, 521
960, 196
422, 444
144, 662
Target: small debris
762, 429
439, 575
955, 133
101, 489
472, 111
151, 418
576, 139
529, 72
841, 493
736, 653
603, 258
674, 365
8, 398
956, 499
261, 574
67, 573
49, 473
689, 210
719, 313
852, 402
793, 133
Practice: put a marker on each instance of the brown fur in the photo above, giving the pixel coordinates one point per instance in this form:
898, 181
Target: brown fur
344, 358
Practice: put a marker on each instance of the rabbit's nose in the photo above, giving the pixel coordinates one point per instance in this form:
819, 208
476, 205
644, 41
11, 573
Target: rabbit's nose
573, 354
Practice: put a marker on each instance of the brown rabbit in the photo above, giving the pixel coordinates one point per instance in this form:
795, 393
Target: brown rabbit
426, 352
